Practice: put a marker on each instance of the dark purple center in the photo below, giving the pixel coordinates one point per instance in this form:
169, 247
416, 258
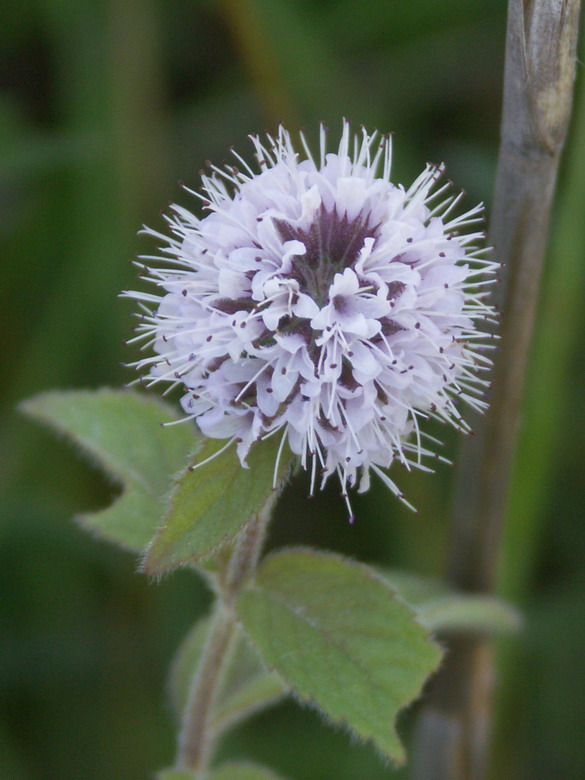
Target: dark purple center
333, 243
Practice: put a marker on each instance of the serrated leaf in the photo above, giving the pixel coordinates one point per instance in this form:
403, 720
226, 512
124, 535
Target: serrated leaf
442, 609
246, 688
336, 633
121, 431
209, 505
242, 771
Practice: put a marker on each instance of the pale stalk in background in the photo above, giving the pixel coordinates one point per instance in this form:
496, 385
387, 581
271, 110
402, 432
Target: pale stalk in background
453, 729
548, 404
259, 59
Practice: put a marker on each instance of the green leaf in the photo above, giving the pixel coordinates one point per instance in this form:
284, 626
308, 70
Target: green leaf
480, 614
243, 771
336, 633
239, 771
246, 688
184, 665
412, 588
246, 696
209, 505
442, 609
121, 431
176, 774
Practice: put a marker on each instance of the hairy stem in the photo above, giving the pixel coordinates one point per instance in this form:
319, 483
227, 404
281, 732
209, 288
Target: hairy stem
244, 557
453, 729
196, 741
198, 737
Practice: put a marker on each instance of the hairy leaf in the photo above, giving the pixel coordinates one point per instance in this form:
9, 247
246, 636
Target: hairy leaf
210, 504
336, 633
121, 431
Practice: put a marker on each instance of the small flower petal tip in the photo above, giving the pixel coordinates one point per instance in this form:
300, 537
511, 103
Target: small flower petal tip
318, 301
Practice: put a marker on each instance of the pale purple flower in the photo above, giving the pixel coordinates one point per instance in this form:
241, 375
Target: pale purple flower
319, 302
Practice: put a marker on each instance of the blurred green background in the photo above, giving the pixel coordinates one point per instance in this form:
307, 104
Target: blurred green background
104, 105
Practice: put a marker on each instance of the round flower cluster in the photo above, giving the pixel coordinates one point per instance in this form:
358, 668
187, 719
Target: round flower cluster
319, 300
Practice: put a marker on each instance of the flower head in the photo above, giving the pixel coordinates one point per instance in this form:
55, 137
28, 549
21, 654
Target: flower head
320, 302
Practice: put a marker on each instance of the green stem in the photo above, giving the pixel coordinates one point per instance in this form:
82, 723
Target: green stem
197, 740
198, 736
246, 552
